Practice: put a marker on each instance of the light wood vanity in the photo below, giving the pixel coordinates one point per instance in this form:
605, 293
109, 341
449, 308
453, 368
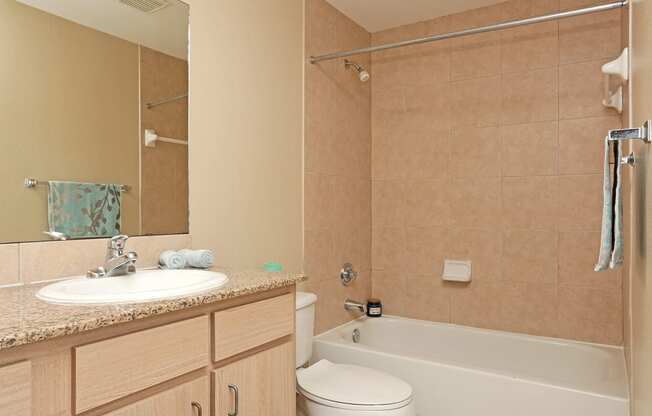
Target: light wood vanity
200, 361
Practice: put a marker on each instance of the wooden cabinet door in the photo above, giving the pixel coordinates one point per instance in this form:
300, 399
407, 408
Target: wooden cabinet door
265, 384
16, 389
178, 401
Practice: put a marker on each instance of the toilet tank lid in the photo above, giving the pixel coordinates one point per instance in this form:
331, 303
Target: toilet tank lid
305, 299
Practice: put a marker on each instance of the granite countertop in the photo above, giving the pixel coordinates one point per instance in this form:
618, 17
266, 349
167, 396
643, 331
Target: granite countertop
25, 319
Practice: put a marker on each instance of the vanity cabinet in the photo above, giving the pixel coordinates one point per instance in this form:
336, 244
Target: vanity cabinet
262, 384
192, 362
189, 399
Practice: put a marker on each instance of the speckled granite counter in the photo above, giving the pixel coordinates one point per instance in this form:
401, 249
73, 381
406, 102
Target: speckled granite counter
24, 319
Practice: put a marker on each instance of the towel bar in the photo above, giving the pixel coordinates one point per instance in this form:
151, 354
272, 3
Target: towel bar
641, 133
32, 183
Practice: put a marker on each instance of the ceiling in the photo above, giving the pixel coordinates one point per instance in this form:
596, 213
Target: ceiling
165, 30
377, 15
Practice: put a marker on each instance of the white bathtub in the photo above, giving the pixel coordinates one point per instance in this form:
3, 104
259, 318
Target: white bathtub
462, 371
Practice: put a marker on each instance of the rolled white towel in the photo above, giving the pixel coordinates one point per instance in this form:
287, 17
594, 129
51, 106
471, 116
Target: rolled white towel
201, 259
171, 259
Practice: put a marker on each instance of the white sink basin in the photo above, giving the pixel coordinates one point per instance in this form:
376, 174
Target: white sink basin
143, 286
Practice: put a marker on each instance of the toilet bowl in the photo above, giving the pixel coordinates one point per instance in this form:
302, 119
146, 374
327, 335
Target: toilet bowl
330, 389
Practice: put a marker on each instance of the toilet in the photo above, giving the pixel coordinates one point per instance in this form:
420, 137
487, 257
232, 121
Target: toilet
330, 389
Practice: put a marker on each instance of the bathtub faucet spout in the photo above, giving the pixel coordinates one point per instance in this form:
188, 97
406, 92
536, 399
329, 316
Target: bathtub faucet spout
352, 305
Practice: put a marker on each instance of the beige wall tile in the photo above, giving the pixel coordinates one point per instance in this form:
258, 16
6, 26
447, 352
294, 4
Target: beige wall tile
426, 204
149, 248
318, 255
9, 264
478, 305
391, 289
531, 202
483, 248
427, 299
578, 254
580, 202
530, 308
530, 256
581, 91
530, 47
318, 200
424, 250
588, 37
529, 96
57, 259
388, 203
473, 152
581, 148
476, 202
589, 314
475, 56
529, 149
388, 249
474, 102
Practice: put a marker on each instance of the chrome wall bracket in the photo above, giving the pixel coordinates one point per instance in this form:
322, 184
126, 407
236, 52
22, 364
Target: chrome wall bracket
640, 133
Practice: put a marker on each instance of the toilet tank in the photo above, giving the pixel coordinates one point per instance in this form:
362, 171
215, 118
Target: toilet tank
305, 326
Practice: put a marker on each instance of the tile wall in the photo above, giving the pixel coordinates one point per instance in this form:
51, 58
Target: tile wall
337, 189
489, 148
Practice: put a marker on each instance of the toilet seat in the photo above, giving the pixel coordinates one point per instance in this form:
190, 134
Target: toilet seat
353, 387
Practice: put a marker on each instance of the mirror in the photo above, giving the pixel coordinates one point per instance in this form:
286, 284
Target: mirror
83, 86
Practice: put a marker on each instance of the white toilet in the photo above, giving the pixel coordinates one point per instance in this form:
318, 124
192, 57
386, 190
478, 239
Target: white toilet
328, 389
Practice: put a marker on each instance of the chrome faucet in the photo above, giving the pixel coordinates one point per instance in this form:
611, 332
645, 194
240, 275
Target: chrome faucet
351, 305
117, 262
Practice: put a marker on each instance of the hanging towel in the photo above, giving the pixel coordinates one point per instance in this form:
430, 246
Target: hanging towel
81, 210
201, 259
611, 244
172, 260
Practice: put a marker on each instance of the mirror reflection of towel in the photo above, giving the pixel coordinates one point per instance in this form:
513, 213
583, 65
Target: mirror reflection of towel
81, 210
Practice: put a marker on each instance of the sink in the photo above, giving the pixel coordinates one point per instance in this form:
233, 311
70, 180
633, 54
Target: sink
142, 286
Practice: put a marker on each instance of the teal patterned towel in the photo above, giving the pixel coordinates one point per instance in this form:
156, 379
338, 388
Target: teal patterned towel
81, 210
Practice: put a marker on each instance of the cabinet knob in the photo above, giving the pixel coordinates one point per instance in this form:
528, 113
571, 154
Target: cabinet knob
197, 406
236, 398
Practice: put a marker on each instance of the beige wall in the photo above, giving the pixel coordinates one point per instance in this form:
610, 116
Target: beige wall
246, 64
164, 168
337, 167
641, 214
488, 148
69, 110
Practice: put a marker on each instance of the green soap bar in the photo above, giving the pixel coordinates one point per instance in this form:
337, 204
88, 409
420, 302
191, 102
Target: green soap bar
273, 267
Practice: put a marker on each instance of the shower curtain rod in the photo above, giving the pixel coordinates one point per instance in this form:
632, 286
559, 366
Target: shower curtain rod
482, 29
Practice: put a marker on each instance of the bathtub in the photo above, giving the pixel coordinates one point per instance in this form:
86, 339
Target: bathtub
462, 371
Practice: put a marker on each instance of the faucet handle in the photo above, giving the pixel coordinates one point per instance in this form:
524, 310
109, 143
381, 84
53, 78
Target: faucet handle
118, 242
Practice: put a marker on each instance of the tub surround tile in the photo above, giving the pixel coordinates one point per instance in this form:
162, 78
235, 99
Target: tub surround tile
26, 319
589, 37
519, 168
589, 314
578, 251
531, 202
528, 256
529, 96
581, 91
529, 149
473, 152
580, 202
579, 148
9, 264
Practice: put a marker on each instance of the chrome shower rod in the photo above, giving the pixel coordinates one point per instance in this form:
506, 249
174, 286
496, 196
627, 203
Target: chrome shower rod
482, 29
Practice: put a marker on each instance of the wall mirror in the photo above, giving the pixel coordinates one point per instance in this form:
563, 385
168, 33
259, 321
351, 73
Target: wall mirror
94, 111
